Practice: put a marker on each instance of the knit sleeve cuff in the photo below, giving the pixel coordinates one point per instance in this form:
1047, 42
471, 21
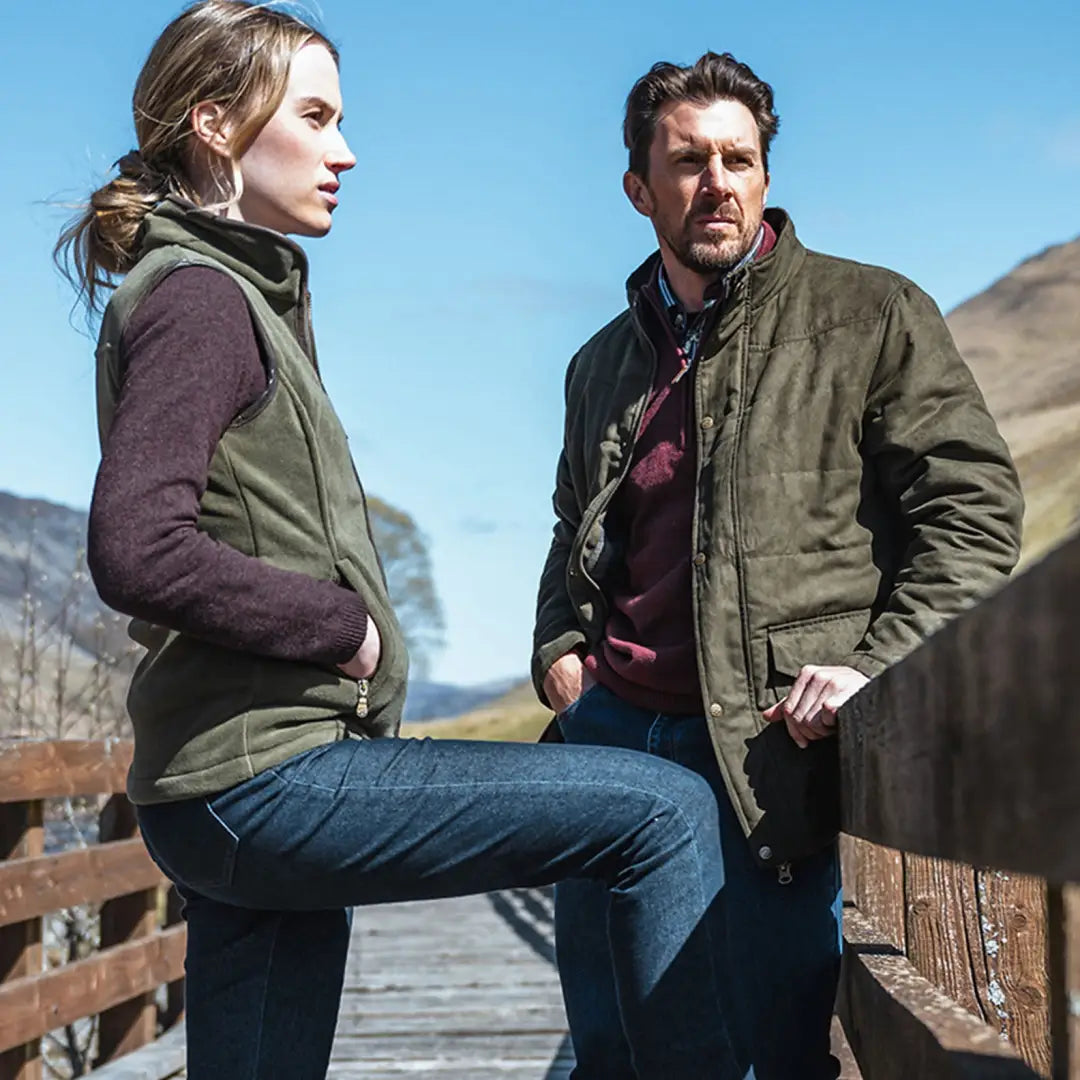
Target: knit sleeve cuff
351, 630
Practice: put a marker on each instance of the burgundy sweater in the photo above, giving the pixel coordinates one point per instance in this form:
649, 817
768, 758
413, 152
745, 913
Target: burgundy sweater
648, 654
193, 364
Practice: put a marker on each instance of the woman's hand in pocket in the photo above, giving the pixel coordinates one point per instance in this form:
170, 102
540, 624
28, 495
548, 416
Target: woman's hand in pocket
366, 660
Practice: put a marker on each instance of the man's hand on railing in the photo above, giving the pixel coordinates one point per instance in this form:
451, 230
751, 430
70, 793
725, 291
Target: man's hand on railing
811, 705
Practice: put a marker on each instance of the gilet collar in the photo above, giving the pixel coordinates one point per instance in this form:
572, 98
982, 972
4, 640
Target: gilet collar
275, 265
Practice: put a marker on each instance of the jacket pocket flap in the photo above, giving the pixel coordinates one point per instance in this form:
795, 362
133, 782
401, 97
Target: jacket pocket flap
826, 639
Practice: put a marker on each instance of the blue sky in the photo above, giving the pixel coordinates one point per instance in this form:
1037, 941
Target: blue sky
484, 235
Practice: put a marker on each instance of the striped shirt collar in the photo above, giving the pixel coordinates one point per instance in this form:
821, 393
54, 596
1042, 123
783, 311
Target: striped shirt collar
718, 289
688, 325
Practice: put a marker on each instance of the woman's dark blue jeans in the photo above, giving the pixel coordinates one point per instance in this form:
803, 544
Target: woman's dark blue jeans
777, 940
270, 869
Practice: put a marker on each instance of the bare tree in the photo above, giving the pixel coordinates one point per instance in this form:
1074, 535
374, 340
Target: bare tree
404, 553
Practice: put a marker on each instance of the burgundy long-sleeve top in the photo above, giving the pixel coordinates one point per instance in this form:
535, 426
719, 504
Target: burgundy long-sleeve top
193, 364
648, 654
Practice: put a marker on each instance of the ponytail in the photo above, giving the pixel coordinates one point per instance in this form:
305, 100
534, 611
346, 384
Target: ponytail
101, 243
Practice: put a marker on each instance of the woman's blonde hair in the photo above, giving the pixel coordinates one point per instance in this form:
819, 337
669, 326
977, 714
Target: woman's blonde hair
228, 52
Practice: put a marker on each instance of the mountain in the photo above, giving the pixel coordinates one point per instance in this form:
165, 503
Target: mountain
1021, 337
42, 558
64, 656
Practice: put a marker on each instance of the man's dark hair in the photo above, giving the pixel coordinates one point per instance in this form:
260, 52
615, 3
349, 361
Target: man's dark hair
713, 78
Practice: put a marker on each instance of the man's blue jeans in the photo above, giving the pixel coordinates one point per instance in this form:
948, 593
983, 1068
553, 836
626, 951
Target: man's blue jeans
269, 868
778, 945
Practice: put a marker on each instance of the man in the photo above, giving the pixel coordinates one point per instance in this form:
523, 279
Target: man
778, 477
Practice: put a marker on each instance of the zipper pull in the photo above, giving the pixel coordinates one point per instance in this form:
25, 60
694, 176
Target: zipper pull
361, 698
783, 873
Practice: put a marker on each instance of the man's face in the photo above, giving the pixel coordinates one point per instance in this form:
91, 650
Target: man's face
707, 185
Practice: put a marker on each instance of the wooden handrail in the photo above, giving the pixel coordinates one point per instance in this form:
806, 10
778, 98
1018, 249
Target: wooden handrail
117, 983
32, 1006
968, 750
48, 770
30, 888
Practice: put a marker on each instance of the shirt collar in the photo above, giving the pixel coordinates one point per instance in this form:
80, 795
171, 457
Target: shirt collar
673, 305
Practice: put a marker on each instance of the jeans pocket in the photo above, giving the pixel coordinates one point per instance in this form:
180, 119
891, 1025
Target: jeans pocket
568, 713
191, 842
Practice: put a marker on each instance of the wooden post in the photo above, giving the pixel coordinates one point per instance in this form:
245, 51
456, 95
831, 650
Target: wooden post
133, 1023
1063, 965
22, 835
1011, 939
1071, 904
879, 890
174, 1003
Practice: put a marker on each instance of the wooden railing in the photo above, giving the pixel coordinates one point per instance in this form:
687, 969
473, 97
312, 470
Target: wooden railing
969, 751
140, 946
966, 754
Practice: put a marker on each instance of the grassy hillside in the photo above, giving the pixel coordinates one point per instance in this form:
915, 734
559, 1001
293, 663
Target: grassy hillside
515, 717
1021, 337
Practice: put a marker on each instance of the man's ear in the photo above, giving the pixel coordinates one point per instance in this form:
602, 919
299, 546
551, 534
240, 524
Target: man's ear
637, 191
765, 193
210, 127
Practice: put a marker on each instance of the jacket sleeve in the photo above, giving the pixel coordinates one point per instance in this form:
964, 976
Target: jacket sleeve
557, 629
936, 452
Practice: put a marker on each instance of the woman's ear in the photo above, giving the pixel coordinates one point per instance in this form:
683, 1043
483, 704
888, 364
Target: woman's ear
210, 127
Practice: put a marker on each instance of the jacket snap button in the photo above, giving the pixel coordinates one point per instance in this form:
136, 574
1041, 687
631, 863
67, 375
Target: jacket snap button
765, 853
716, 709
699, 559
707, 422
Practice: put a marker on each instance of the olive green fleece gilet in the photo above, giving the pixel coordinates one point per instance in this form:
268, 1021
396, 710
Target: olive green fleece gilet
282, 487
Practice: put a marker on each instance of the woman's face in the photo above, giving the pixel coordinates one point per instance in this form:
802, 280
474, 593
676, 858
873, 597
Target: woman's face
291, 171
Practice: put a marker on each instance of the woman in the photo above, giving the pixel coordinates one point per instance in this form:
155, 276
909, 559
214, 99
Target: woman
229, 521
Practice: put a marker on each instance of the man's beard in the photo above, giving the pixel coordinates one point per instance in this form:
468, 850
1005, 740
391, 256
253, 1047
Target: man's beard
708, 257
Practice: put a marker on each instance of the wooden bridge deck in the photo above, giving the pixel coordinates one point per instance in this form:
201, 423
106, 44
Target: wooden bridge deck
453, 989
460, 989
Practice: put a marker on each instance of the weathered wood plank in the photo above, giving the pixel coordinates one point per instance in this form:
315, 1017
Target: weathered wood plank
879, 889
45, 770
131, 1023
941, 916
929, 750
30, 888
1071, 906
451, 989
1013, 941
32, 1006
901, 1026
161, 1060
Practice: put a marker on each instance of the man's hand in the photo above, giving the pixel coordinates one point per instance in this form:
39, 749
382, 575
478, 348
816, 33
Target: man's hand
810, 708
566, 681
366, 660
